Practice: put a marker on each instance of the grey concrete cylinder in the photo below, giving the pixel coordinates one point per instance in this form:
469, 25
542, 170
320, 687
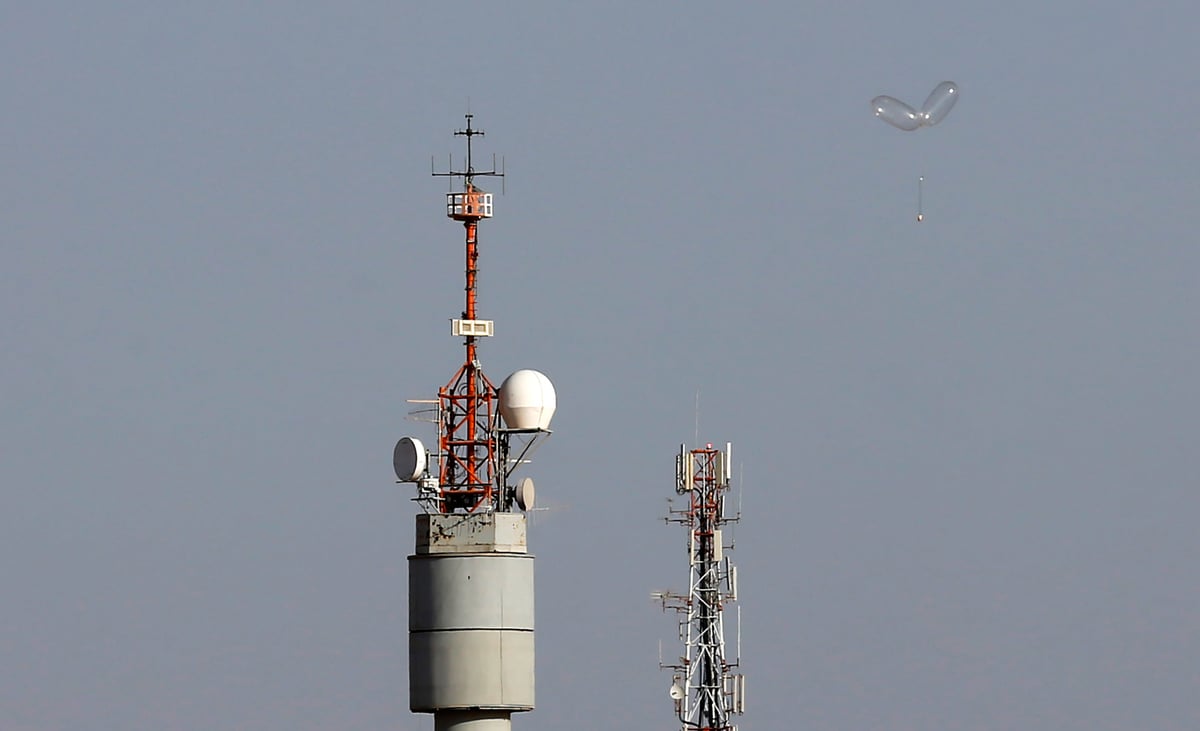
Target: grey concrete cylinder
471, 632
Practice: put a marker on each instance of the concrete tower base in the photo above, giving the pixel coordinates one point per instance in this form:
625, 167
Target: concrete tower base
470, 621
471, 721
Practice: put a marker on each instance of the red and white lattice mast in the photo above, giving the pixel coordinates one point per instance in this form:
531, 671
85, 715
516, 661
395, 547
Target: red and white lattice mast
705, 690
467, 403
471, 599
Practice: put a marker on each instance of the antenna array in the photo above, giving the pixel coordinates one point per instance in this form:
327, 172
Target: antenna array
705, 690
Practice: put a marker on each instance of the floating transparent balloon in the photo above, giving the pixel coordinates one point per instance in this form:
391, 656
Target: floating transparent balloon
896, 113
900, 115
939, 103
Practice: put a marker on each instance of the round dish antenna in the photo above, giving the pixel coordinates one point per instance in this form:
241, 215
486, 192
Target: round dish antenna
409, 459
525, 494
675, 692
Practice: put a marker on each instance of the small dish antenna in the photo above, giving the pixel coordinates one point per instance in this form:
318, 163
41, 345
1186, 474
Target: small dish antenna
409, 459
525, 494
675, 692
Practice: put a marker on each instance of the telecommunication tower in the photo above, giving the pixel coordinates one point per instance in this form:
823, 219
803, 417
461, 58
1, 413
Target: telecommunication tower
470, 579
705, 690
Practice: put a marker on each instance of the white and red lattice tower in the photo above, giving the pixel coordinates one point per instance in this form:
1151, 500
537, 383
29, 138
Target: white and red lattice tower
468, 402
706, 691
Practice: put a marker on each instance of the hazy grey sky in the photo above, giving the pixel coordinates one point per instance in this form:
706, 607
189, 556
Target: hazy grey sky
969, 446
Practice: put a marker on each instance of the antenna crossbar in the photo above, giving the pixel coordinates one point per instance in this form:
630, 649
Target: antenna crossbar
469, 173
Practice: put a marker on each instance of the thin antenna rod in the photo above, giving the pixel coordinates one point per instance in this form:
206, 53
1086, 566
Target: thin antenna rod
469, 173
741, 485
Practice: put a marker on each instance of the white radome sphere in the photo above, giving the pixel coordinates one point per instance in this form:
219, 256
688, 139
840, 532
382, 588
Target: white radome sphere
527, 400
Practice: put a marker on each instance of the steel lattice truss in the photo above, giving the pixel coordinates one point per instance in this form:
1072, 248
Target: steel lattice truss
705, 690
467, 439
